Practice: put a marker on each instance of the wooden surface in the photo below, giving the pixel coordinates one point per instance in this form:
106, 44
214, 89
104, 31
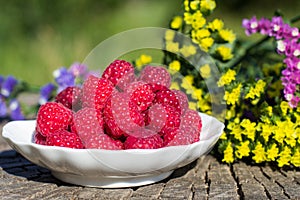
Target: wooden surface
205, 178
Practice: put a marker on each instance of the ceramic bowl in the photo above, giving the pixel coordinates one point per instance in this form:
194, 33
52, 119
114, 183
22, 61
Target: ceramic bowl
110, 168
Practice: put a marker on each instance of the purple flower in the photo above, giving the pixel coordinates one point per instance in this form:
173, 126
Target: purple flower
3, 108
79, 70
250, 25
276, 27
264, 26
8, 86
46, 92
63, 78
15, 110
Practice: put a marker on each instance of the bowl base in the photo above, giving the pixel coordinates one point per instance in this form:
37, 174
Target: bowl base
111, 181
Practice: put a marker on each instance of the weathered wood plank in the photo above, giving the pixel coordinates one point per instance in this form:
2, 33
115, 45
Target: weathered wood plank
249, 187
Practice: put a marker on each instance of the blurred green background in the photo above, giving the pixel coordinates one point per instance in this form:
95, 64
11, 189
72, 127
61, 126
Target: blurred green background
39, 36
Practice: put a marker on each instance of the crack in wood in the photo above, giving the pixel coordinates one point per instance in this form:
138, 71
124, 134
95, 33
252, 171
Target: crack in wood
239, 187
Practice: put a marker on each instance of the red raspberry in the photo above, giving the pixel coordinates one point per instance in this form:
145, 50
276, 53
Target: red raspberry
39, 138
156, 75
120, 73
168, 97
51, 117
103, 141
64, 138
163, 119
88, 122
181, 136
192, 118
121, 116
70, 97
152, 142
96, 92
140, 94
183, 100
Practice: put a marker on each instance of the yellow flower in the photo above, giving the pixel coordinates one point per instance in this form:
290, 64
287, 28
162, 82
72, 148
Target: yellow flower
227, 78
192, 105
175, 86
223, 136
176, 22
198, 21
235, 130
279, 133
172, 46
249, 128
186, 5
207, 5
232, 97
174, 66
259, 153
187, 82
197, 93
284, 106
206, 43
169, 35
143, 60
201, 33
284, 156
205, 71
295, 160
272, 153
227, 35
215, 25
230, 113
267, 130
243, 149
224, 52
187, 51
194, 4
188, 18
228, 154
256, 90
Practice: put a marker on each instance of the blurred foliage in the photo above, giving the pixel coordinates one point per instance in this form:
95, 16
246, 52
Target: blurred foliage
38, 36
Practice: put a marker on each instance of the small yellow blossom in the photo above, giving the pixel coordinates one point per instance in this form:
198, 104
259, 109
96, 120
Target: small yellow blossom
236, 130
201, 33
227, 35
249, 128
206, 43
295, 160
228, 154
272, 153
256, 90
243, 149
198, 21
169, 35
174, 66
176, 22
186, 5
284, 106
192, 105
259, 153
284, 156
187, 82
188, 50
216, 25
143, 60
194, 4
224, 52
175, 85
197, 93
205, 71
266, 130
172, 46
207, 5
227, 78
232, 97
223, 136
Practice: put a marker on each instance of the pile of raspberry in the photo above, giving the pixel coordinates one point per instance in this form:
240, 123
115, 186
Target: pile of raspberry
119, 110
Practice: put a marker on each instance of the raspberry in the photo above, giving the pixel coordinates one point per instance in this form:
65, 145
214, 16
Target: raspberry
152, 142
103, 141
168, 97
70, 97
64, 138
88, 122
96, 92
163, 119
156, 75
120, 73
121, 116
141, 94
181, 136
183, 100
39, 138
51, 117
193, 119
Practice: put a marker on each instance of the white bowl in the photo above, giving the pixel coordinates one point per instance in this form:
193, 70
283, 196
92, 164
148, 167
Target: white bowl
110, 168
